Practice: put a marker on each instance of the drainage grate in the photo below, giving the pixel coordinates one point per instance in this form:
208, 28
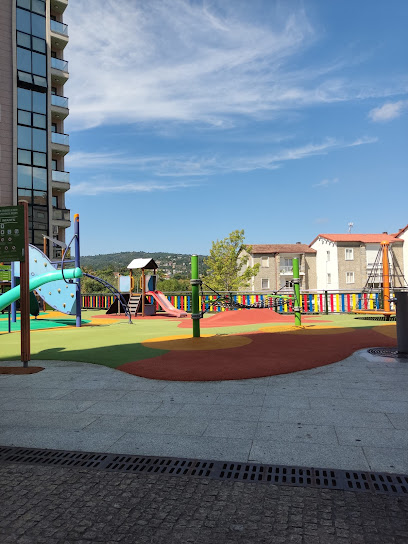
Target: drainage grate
373, 482
386, 352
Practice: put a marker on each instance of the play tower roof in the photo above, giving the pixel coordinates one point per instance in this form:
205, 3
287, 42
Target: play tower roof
144, 264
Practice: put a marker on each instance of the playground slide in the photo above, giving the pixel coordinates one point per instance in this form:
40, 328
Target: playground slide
35, 283
61, 295
166, 305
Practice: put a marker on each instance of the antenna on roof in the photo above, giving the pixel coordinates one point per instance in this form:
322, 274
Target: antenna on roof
350, 226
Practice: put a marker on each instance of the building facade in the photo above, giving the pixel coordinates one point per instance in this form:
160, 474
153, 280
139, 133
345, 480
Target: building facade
276, 266
33, 107
345, 261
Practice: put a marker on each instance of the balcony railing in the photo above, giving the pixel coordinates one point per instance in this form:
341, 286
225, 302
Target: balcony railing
58, 138
286, 269
59, 27
57, 175
60, 101
61, 215
59, 64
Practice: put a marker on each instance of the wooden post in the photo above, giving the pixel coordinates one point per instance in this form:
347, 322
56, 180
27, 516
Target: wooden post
25, 294
143, 292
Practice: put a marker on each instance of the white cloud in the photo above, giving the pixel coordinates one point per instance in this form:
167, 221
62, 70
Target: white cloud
97, 187
388, 112
190, 166
184, 61
321, 220
326, 182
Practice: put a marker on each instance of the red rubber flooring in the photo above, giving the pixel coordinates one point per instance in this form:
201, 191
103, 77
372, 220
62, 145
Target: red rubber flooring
246, 317
267, 355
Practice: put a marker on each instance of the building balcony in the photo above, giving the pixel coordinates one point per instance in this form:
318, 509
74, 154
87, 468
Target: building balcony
59, 71
60, 181
288, 271
59, 35
58, 5
59, 107
59, 143
61, 218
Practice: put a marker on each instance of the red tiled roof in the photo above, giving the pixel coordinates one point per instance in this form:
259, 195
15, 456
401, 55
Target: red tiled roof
401, 231
282, 248
364, 238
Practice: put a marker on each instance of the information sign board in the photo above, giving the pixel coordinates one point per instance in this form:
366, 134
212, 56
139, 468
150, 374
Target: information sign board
5, 272
12, 233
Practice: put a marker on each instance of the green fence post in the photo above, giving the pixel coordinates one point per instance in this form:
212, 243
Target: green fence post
296, 288
195, 297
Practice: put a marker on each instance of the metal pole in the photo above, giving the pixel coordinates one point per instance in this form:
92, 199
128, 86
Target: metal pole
326, 302
296, 288
13, 304
25, 294
195, 297
143, 292
78, 305
386, 276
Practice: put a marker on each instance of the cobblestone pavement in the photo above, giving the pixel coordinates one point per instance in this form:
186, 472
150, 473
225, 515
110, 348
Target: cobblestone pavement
43, 504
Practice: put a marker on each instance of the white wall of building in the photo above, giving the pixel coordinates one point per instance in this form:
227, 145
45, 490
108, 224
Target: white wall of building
404, 236
326, 265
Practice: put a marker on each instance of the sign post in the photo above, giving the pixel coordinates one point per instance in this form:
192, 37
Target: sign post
14, 247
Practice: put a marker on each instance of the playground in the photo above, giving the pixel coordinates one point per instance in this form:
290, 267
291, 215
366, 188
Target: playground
234, 345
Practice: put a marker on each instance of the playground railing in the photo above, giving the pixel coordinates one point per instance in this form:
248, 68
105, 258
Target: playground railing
312, 301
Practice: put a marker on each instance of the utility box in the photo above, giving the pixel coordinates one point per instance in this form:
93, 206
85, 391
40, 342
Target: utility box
402, 322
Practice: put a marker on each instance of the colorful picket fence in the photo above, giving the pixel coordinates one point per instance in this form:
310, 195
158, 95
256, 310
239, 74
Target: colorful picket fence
311, 302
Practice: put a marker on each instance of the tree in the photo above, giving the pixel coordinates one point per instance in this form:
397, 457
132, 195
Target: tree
227, 268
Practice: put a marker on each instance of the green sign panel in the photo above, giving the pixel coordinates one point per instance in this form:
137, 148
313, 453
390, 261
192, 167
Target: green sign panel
5, 273
11, 233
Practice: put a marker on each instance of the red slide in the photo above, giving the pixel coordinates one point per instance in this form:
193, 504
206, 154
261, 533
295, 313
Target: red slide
166, 305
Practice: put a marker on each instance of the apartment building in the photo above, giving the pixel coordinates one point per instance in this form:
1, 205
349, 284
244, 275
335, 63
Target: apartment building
276, 266
344, 261
33, 108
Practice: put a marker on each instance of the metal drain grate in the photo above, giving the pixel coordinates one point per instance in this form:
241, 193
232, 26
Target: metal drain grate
373, 482
386, 352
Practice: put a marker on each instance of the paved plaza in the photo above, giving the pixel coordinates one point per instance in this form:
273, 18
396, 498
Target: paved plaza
348, 415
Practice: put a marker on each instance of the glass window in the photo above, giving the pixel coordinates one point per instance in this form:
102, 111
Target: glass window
39, 140
24, 176
23, 59
328, 278
349, 254
39, 102
40, 179
55, 201
23, 4
40, 214
38, 26
40, 159
54, 90
38, 6
39, 120
24, 157
265, 283
24, 40
349, 277
24, 77
38, 235
24, 117
24, 99
40, 198
39, 64
39, 45
24, 194
54, 164
40, 81
265, 262
24, 137
23, 21
53, 127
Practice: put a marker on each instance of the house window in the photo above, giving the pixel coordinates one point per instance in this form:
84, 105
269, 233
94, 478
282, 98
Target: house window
349, 277
349, 254
327, 256
265, 262
328, 279
265, 283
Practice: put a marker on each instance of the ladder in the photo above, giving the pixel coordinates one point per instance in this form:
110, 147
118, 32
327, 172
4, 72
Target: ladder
135, 303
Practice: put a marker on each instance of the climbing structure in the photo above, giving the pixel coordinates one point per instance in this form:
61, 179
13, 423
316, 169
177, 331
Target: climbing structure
385, 276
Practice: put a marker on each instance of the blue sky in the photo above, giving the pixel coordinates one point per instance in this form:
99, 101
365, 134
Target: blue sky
192, 118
